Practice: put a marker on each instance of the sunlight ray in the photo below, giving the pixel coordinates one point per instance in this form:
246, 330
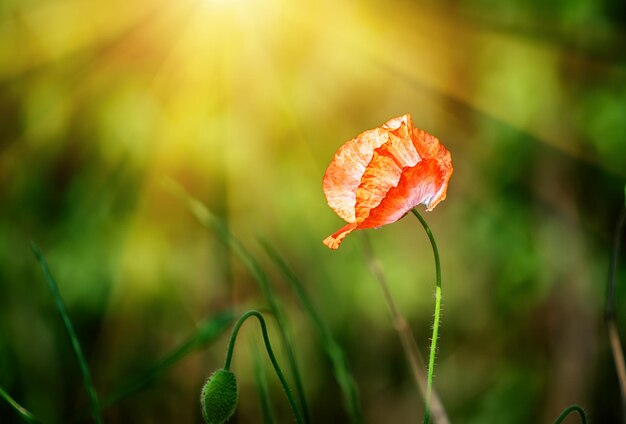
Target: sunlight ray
52, 31
446, 45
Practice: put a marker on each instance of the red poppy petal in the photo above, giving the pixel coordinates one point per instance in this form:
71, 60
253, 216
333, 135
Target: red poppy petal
401, 126
333, 241
402, 149
427, 145
381, 174
444, 161
376, 178
343, 176
425, 183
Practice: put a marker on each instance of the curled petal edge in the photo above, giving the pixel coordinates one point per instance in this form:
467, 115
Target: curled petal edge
334, 241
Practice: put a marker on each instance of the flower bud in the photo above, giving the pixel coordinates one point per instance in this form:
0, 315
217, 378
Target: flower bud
219, 397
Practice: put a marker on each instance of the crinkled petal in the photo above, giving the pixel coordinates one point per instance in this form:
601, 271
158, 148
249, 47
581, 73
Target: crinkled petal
384, 171
376, 178
381, 174
343, 176
402, 126
427, 145
425, 183
333, 241
402, 149
444, 163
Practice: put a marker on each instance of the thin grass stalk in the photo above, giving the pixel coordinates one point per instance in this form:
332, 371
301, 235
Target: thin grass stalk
24, 413
407, 339
262, 388
609, 313
69, 327
333, 350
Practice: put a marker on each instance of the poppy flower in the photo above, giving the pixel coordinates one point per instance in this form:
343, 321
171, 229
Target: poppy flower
377, 177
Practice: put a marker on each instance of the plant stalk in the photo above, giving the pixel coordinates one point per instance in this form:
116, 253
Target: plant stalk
409, 344
433, 344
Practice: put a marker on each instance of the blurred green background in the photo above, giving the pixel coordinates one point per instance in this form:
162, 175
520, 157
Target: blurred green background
243, 103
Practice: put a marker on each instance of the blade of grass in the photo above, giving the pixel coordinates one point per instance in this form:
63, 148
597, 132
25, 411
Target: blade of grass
23, 412
87, 382
261, 384
336, 355
609, 313
409, 344
210, 221
207, 331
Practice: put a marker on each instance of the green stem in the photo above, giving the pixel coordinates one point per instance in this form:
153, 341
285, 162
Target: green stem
407, 339
23, 412
569, 410
270, 352
433, 345
82, 363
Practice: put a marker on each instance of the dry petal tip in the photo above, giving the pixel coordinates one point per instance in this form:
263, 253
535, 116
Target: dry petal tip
334, 241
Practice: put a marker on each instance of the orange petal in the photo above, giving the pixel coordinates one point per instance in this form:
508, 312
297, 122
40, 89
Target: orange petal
381, 174
402, 149
333, 241
445, 169
425, 183
427, 145
401, 126
343, 176
384, 170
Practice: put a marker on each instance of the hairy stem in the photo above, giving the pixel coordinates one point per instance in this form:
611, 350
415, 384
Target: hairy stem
409, 344
433, 345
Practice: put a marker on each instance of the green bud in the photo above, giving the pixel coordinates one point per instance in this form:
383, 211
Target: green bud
219, 397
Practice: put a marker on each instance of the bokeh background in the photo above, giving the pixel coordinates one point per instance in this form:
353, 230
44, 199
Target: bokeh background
243, 103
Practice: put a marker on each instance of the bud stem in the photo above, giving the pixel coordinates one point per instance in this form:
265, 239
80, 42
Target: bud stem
569, 410
270, 352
